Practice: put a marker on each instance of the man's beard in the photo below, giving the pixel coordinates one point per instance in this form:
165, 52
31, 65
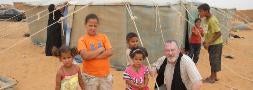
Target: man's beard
172, 59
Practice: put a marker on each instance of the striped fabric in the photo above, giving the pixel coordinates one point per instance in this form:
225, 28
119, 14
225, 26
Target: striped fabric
135, 77
126, 76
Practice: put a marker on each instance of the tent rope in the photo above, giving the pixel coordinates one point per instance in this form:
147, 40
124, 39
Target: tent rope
20, 41
127, 5
32, 21
158, 20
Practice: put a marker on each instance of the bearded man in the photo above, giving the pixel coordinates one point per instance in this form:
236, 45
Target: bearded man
176, 71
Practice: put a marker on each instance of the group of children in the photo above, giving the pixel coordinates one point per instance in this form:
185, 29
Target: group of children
69, 75
136, 73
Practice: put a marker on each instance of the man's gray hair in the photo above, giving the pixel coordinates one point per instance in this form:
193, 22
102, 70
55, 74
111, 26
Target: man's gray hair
171, 41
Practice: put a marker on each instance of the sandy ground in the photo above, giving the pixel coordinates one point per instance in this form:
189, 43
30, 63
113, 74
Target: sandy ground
27, 63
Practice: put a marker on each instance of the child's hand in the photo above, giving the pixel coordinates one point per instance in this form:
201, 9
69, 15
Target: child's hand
142, 86
101, 50
206, 45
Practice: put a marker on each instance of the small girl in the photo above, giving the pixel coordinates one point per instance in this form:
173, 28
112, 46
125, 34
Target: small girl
132, 42
68, 76
136, 74
195, 42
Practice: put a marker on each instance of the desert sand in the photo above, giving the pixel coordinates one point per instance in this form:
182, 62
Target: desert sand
28, 64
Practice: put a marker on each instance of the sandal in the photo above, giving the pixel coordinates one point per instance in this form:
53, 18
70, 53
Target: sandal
209, 80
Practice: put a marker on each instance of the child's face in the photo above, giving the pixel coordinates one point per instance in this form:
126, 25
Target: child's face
137, 60
66, 59
198, 23
202, 13
133, 42
91, 26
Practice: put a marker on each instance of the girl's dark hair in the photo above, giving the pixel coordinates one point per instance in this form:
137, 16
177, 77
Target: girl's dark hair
197, 19
130, 35
91, 16
51, 7
138, 50
64, 49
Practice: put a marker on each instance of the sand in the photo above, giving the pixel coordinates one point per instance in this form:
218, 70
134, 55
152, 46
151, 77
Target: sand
27, 63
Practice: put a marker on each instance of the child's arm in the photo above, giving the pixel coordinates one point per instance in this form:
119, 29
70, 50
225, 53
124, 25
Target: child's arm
127, 78
58, 81
87, 55
146, 79
202, 32
80, 80
108, 49
129, 82
194, 31
106, 53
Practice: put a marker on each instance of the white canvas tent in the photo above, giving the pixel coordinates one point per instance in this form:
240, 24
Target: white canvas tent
116, 23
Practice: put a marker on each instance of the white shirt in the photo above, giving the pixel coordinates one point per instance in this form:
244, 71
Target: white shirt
189, 71
129, 60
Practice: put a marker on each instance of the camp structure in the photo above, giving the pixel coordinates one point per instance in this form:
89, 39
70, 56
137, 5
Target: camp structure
154, 20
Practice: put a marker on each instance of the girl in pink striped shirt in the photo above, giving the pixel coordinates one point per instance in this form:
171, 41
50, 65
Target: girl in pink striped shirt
136, 74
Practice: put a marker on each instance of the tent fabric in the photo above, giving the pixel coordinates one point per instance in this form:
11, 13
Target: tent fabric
115, 22
100, 2
132, 2
37, 20
117, 28
225, 4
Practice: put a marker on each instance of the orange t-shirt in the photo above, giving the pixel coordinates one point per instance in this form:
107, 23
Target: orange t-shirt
95, 67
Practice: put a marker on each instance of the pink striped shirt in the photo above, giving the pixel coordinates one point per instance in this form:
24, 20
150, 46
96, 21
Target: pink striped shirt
136, 77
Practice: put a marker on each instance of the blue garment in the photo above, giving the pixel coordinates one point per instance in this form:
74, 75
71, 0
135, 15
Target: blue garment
78, 59
66, 27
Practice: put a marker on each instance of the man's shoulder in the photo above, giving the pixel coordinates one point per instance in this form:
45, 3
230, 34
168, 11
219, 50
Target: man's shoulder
161, 58
186, 59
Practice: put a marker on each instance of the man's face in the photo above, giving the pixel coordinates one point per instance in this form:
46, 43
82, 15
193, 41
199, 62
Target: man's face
171, 51
91, 26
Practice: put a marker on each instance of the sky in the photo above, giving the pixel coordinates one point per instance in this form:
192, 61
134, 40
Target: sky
238, 4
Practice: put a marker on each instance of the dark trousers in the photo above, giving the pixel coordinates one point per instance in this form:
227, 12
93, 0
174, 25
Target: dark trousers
194, 52
215, 52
